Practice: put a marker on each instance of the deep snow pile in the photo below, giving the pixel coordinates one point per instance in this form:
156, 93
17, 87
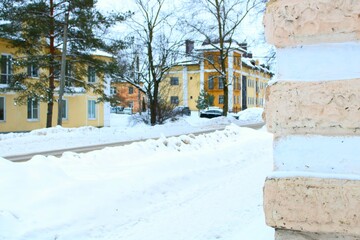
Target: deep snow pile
122, 128
188, 187
253, 115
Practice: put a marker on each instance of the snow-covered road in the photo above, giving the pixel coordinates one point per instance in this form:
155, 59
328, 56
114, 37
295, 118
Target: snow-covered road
203, 187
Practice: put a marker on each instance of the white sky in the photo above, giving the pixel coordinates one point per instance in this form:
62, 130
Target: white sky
252, 29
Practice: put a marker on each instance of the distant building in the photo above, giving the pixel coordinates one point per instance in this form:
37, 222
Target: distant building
81, 106
248, 79
129, 95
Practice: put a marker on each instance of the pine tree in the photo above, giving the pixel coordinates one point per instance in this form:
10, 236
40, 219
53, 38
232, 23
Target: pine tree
204, 100
36, 27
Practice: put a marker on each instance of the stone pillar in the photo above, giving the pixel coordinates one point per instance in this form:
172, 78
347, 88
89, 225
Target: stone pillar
313, 110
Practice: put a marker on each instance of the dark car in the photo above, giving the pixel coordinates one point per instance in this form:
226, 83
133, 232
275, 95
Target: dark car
181, 110
212, 113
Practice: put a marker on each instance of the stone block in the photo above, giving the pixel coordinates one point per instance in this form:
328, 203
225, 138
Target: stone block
312, 204
323, 108
296, 235
299, 22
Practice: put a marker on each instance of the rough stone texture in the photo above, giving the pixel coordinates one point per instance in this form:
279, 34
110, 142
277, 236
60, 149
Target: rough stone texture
317, 205
298, 22
324, 108
296, 235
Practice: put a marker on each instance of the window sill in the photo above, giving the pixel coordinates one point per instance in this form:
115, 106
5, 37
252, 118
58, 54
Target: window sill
33, 120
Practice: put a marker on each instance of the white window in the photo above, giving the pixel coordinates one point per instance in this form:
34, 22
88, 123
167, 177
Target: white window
32, 109
33, 71
91, 74
91, 109
6, 68
65, 108
112, 90
2, 108
221, 99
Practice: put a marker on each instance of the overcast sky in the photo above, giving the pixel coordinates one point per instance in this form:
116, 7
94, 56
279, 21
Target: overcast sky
252, 29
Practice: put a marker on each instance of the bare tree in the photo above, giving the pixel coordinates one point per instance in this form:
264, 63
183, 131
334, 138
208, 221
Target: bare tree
154, 32
218, 21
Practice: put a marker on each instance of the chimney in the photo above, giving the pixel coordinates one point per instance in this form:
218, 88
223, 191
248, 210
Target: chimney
189, 46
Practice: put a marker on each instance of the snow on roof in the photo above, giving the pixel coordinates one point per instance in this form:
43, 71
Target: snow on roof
101, 53
214, 47
73, 90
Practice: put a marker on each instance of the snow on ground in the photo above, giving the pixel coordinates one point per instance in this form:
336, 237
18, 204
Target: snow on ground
253, 115
187, 187
123, 128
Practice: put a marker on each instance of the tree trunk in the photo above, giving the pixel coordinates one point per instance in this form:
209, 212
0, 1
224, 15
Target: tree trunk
50, 105
154, 105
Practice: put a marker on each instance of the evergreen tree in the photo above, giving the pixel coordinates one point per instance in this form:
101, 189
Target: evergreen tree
36, 29
204, 100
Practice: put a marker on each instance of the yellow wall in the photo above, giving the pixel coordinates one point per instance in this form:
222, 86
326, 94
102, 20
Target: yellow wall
255, 98
16, 115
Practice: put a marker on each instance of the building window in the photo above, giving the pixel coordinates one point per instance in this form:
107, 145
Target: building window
32, 109
91, 74
221, 99
210, 59
2, 108
64, 111
6, 68
221, 83
57, 71
91, 109
33, 71
174, 100
112, 90
131, 104
68, 73
174, 81
211, 82
131, 90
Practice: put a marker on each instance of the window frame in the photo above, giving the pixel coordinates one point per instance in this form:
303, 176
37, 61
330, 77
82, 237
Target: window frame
174, 81
220, 83
174, 100
31, 69
33, 108
113, 90
131, 90
7, 74
211, 83
65, 109
91, 109
91, 74
221, 99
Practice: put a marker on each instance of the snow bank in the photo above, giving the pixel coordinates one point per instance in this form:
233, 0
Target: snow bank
251, 115
188, 187
123, 128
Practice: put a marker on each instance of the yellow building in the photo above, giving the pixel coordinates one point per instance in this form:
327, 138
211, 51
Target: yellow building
81, 106
247, 78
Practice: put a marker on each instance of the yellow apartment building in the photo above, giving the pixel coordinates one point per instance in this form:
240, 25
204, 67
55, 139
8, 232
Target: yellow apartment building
81, 106
247, 78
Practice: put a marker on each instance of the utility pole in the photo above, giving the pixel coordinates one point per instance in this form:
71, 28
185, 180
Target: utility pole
62, 71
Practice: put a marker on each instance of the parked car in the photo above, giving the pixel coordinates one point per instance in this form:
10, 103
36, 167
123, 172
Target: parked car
182, 110
211, 113
127, 110
117, 109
